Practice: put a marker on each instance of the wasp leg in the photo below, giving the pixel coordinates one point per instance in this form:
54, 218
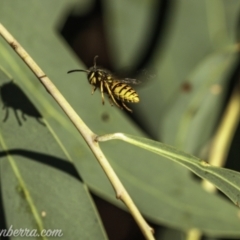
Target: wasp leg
130, 110
101, 89
111, 95
94, 89
110, 100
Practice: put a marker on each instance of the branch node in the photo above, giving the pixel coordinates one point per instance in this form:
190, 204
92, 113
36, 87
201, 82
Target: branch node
42, 76
14, 45
95, 138
119, 194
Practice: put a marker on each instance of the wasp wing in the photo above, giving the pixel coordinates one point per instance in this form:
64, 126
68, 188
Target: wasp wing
128, 80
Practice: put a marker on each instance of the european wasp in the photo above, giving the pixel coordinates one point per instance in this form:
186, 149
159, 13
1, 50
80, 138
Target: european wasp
118, 89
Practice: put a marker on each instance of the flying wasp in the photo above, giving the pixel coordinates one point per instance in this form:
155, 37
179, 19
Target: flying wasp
118, 89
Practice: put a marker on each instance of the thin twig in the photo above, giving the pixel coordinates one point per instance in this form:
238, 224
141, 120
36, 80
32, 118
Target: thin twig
86, 133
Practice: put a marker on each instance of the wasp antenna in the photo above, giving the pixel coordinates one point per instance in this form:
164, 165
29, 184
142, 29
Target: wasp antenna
78, 70
95, 61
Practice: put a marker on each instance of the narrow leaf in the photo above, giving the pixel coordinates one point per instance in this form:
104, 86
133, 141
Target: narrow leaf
227, 181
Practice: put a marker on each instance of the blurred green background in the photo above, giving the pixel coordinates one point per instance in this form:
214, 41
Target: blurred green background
185, 55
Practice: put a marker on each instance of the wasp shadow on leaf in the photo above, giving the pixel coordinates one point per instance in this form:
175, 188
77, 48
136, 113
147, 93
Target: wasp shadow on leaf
13, 97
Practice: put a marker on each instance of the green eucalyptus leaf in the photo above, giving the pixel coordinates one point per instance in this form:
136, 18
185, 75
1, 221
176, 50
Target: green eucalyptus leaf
226, 180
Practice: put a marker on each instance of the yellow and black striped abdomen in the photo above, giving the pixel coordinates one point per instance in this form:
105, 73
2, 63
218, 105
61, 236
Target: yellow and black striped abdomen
124, 92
